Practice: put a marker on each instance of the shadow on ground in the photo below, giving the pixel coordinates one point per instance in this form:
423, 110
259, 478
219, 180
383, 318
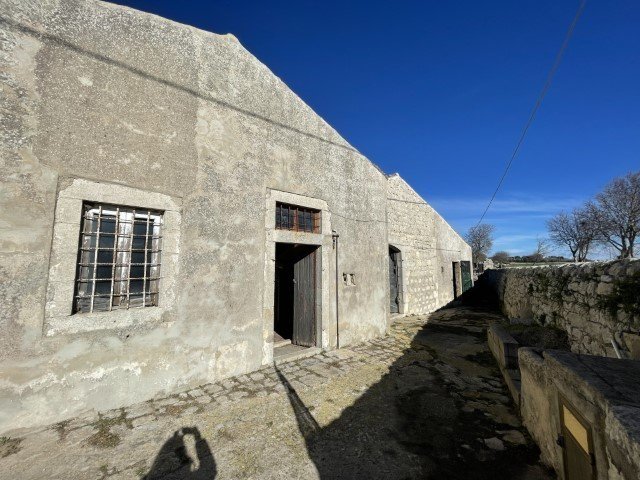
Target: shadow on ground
441, 412
186, 455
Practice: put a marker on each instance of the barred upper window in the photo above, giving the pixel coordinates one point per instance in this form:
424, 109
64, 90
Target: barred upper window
119, 258
299, 219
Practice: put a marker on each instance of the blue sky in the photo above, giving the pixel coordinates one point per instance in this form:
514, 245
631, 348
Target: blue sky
439, 92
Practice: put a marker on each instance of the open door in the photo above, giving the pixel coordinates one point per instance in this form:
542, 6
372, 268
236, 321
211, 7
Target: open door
304, 301
295, 293
394, 280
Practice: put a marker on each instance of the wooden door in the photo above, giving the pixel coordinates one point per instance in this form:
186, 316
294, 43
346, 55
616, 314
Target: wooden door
394, 290
304, 301
577, 445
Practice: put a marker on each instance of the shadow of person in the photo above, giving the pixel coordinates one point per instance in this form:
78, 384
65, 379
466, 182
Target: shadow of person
176, 461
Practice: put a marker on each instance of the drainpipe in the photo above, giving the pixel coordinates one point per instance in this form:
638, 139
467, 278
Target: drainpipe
335, 236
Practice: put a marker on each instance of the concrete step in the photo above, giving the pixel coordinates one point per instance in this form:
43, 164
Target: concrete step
281, 343
290, 353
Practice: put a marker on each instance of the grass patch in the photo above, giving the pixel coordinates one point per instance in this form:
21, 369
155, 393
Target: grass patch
61, 428
104, 437
9, 446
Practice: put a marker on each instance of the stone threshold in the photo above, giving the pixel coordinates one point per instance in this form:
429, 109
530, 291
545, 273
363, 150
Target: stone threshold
289, 353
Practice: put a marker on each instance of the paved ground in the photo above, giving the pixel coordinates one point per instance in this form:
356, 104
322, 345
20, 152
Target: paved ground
426, 401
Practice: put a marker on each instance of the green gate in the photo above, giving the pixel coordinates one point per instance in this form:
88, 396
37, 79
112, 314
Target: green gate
467, 282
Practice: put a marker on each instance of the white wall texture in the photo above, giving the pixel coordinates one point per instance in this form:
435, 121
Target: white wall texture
94, 92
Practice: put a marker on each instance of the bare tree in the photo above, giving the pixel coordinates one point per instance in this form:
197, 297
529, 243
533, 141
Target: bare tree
501, 257
542, 248
573, 230
480, 239
615, 214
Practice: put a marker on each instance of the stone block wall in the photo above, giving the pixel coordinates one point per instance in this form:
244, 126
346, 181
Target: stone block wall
428, 247
600, 390
593, 302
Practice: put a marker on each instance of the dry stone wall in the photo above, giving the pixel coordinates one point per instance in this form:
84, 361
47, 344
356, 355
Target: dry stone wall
593, 302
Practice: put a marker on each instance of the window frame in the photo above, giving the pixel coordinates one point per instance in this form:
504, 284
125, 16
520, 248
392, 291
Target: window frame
58, 316
122, 253
311, 218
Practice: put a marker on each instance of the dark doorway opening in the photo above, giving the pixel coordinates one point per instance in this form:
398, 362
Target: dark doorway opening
395, 288
295, 294
457, 281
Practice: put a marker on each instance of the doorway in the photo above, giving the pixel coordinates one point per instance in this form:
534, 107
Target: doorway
295, 295
457, 279
395, 276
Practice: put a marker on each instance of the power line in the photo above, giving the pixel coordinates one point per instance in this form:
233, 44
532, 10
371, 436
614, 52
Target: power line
541, 96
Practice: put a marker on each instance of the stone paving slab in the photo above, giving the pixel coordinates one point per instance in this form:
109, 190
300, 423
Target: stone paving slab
426, 401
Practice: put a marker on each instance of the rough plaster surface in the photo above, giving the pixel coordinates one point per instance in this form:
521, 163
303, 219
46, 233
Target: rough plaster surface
104, 93
148, 111
603, 390
428, 247
581, 299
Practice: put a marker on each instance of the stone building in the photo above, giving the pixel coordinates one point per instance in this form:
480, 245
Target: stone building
435, 260
172, 213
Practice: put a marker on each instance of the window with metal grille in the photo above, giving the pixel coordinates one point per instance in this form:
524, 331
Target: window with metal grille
119, 258
298, 219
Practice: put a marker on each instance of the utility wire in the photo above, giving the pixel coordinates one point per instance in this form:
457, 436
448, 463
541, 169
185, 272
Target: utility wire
541, 96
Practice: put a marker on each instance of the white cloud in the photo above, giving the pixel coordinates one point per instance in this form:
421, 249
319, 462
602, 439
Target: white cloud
522, 204
520, 219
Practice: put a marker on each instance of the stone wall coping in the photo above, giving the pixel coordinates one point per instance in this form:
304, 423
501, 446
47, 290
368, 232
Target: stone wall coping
614, 381
605, 392
503, 346
569, 266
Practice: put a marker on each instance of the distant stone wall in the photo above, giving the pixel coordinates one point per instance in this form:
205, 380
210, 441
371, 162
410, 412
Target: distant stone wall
593, 302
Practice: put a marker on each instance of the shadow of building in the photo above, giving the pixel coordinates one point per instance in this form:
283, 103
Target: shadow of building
420, 420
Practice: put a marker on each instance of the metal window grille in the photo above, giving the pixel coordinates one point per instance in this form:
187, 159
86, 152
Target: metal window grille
119, 258
298, 219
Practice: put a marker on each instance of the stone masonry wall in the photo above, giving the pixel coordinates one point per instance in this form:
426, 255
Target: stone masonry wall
601, 390
428, 246
593, 302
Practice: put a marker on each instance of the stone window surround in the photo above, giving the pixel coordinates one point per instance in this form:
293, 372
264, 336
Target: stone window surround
325, 325
59, 317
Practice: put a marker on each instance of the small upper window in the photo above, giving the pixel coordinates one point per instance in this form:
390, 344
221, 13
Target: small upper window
298, 219
119, 258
